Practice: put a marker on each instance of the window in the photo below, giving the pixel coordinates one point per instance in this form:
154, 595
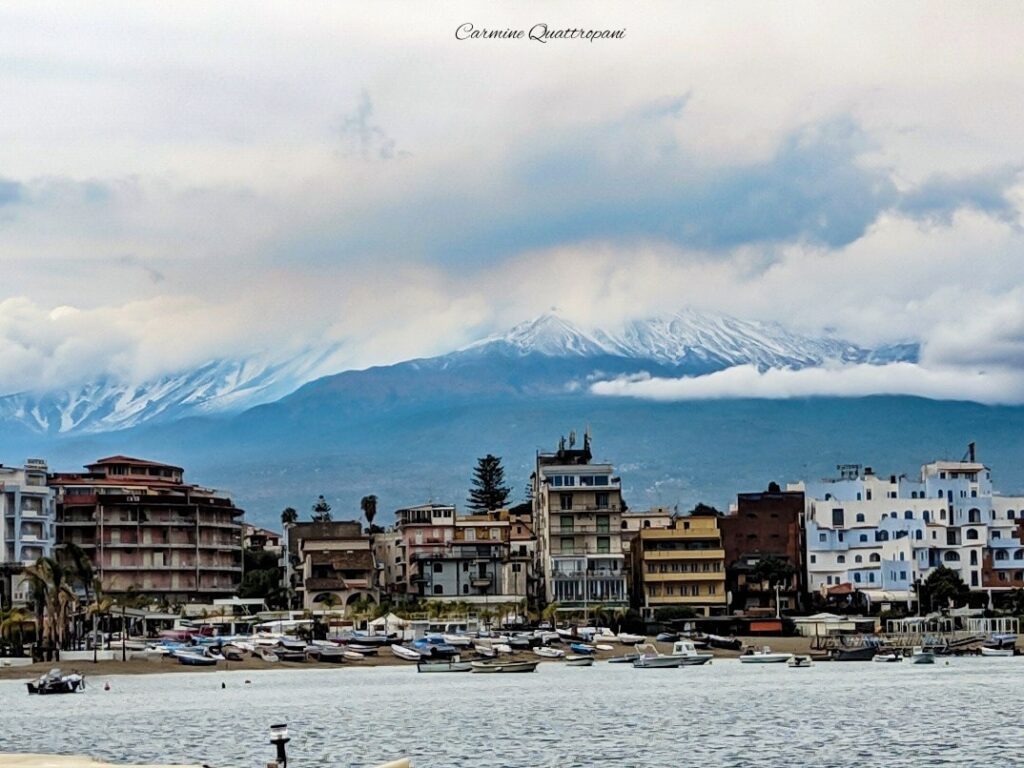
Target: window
974, 557
868, 494
438, 568
602, 524
517, 567
465, 589
919, 535
909, 514
814, 558
1000, 554
438, 589
565, 500
871, 577
856, 577
602, 500
858, 559
1009, 514
863, 537
465, 567
566, 523
822, 537
875, 558
603, 544
903, 575
860, 517
567, 543
600, 479
841, 559
972, 534
996, 535
837, 518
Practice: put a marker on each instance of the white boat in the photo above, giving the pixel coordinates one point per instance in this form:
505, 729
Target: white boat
887, 658
921, 656
627, 639
457, 640
603, 647
549, 653
486, 651
354, 656
996, 651
446, 665
503, 667
765, 656
687, 651
405, 654
266, 654
651, 658
579, 661
799, 662
502, 648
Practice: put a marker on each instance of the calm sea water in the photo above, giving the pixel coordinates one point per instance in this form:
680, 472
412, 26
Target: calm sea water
966, 712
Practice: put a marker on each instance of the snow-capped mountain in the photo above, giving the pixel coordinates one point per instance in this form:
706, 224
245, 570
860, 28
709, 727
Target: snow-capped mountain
686, 339
545, 355
107, 404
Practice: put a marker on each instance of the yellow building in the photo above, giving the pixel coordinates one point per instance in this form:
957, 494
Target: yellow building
682, 565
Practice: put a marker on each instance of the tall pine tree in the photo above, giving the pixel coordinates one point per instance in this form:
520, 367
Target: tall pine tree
489, 490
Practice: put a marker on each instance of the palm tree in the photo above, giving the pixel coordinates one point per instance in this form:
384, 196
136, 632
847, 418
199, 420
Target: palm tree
79, 570
13, 625
618, 616
289, 516
55, 599
369, 506
550, 612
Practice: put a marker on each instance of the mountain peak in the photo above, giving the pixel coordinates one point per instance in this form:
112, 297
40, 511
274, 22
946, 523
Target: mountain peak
547, 334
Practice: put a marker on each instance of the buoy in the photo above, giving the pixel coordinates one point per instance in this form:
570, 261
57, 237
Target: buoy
106, 686
223, 685
247, 682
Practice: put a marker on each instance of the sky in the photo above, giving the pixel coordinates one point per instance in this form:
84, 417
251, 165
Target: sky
181, 182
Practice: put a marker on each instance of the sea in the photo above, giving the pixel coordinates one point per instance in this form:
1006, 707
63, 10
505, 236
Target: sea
960, 712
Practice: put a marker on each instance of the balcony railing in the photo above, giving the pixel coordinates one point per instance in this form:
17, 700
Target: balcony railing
568, 530
554, 510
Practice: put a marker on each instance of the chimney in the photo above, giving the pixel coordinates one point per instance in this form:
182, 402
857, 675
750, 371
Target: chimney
970, 452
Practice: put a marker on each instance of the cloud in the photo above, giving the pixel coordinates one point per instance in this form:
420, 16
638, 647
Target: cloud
10, 191
859, 380
941, 196
365, 137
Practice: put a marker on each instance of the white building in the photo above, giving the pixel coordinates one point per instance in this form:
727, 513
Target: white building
28, 511
878, 535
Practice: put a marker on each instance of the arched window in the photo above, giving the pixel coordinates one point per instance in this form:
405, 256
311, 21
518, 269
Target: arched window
918, 535
942, 514
974, 557
927, 516
881, 536
841, 559
860, 517
939, 494
974, 515
863, 537
893, 515
856, 577
875, 557
828, 497
1019, 554
1000, 555
972, 534
951, 557
908, 515
858, 559
647, 523
1009, 514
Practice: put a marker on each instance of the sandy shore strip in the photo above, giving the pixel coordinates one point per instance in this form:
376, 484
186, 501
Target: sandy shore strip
92, 670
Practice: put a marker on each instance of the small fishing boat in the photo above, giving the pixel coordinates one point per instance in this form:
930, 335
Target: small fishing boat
921, 656
582, 648
405, 654
859, 653
718, 641
1002, 640
579, 661
434, 646
502, 648
764, 656
996, 651
458, 640
649, 657
799, 662
55, 681
663, 637
504, 667
687, 651
603, 647
444, 665
521, 642
266, 654
326, 653
194, 659
549, 653
887, 658
486, 651
629, 658
365, 650
351, 655
627, 639
232, 652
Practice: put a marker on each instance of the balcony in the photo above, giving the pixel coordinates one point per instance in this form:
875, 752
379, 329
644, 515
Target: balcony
481, 581
655, 600
553, 510
584, 528
700, 576
685, 554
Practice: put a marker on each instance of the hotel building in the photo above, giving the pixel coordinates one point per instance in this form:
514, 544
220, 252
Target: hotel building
28, 514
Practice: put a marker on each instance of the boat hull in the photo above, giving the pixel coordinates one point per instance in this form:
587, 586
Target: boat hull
444, 666
504, 667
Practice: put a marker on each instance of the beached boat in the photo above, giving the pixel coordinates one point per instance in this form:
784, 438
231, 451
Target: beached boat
799, 662
582, 648
365, 650
458, 640
232, 652
579, 661
266, 654
504, 667
55, 681
444, 665
549, 653
502, 648
351, 655
332, 654
649, 657
764, 656
921, 656
665, 637
406, 654
718, 641
687, 651
486, 651
603, 647
194, 659
996, 651
434, 646
627, 639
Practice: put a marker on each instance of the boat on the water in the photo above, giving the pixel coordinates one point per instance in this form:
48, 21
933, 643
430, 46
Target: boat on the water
649, 657
921, 656
687, 651
799, 662
996, 651
629, 658
405, 654
860, 653
579, 661
444, 665
887, 658
56, 681
503, 667
764, 656
1002, 640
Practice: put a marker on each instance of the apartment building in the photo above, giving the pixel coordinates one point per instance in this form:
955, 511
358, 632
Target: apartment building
334, 564
149, 532
28, 515
577, 511
682, 565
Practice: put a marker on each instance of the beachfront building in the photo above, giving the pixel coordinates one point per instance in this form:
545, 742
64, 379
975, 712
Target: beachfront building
577, 510
765, 529
334, 564
27, 526
261, 539
682, 566
878, 535
631, 525
149, 532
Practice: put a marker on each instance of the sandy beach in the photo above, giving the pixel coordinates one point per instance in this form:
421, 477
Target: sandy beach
385, 659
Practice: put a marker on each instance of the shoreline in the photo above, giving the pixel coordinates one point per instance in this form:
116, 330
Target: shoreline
797, 644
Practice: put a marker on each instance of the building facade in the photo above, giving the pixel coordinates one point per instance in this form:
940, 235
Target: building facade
681, 566
28, 532
149, 532
762, 526
335, 564
578, 516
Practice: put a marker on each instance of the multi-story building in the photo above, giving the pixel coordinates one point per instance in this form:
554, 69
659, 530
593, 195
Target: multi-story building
880, 535
577, 510
28, 513
682, 566
335, 564
262, 539
520, 572
149, 532
632, 524
762, 526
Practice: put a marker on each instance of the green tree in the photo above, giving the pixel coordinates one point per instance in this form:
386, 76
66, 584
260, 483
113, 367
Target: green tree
943, 588
773, 571
289, 516
369, 506
489, 490
705, 510
321, 511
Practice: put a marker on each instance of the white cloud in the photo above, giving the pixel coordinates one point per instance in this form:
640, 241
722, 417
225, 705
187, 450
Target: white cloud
746, 381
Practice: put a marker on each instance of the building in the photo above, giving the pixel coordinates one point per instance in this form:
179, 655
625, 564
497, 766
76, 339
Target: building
878, 536
631, 525
521, 577
28, 513
681, 566
577, 511
762, 526
149, 532
261, 539
335, 564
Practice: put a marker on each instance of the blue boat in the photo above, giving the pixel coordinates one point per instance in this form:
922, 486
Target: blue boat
195, 659
581, 648
434, 646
